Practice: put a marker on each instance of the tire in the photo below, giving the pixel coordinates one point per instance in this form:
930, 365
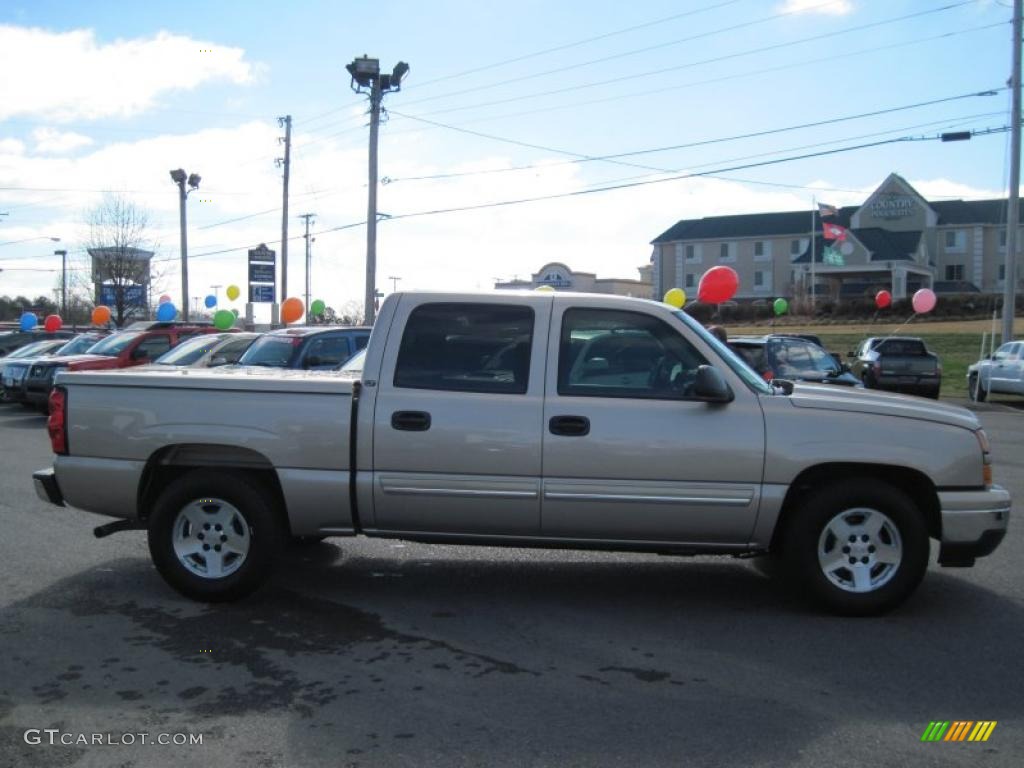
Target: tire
891, 547
199, 513
975, 390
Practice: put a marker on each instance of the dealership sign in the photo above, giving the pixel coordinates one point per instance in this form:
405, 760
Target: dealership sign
262, 275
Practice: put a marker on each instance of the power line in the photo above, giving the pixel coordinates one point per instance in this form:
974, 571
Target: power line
662, 70
575, 44
704, 142
726, 78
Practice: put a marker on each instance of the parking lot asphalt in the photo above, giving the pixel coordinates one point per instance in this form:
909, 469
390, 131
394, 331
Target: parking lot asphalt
380, 653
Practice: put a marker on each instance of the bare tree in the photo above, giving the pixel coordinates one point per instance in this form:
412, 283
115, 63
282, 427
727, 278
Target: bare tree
120, 250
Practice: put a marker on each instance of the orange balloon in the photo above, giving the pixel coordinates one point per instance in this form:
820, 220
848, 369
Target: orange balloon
101, 315
292, 310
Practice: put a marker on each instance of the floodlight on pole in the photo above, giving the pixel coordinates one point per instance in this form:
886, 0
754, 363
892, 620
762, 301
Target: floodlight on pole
179, 177
366, 77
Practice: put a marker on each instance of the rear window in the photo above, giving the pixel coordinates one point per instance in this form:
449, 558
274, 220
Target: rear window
466, 348
901, 347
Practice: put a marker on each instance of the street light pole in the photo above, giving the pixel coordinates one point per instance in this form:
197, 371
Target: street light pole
178, 177
63, 282
366, 76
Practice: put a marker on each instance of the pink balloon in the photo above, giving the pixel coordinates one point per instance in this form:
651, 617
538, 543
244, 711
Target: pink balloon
924, 301
883, 299
718, 284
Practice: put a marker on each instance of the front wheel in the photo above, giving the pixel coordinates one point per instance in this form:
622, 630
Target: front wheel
976, 389
213, 536
857, 548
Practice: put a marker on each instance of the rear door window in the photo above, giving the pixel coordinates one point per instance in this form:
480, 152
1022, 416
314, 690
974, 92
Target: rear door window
466, 348
326, 352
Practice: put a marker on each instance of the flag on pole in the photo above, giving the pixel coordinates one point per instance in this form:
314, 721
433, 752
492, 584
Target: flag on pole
833, 231
832, 257
824, 209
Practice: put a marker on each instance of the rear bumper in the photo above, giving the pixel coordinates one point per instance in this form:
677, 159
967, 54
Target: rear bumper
46, 487
973, 524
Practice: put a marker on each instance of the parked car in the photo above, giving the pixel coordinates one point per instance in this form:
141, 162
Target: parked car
354, 363
534, 419
12, 340
790, 357
14, 365
1001, 373
311, 348
123, 349
898, 364
208, 350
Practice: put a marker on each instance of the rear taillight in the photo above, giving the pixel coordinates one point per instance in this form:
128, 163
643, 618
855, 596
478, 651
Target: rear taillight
767, 375
57, 422
986, 457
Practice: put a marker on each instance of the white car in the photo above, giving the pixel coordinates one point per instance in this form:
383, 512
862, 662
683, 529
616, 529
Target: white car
1002, 373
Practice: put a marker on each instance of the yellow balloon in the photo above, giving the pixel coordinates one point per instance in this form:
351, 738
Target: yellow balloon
233, 292
675, 297
544, 289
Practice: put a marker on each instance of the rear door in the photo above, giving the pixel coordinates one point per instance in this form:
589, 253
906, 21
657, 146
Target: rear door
1006, 368
457, 423
629, 455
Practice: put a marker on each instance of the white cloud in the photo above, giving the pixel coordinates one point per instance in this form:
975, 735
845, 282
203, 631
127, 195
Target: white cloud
64, 76
11, 147
51, 141
825, 7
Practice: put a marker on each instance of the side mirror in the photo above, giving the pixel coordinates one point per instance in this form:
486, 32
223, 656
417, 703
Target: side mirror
711, 387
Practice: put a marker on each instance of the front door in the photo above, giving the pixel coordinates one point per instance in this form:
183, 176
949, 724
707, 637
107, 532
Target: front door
628, 453
457, 430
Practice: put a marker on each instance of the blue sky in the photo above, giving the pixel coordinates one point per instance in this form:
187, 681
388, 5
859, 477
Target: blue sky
109, 96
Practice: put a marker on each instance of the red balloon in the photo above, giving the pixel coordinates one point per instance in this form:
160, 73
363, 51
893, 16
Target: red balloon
883, 299
164, 299
52, 323
718, 284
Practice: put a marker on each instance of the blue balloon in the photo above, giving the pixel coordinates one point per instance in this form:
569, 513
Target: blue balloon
211, 301
29, 321
166, 312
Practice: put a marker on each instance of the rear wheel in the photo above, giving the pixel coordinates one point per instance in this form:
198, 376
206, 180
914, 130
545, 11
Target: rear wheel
213, 536
975, 388
857, 548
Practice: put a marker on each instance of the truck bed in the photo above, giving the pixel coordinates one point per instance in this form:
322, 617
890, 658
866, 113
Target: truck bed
238, 418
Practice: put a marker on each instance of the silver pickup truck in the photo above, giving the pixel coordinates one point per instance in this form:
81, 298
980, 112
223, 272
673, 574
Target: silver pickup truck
529, 420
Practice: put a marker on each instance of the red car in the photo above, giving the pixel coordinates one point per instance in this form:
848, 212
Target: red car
124, 349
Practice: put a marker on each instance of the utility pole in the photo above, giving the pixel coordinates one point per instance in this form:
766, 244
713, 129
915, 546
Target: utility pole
63, 282
286, 121
309, 255
366, 75
178, 177
1013, 206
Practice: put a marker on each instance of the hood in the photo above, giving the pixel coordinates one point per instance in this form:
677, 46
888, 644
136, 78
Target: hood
829, 397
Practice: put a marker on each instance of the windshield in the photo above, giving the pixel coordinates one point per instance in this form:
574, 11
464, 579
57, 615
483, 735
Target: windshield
78, 345
29, 350
272, 351
114, 345
729, 357
795, 357
190, 351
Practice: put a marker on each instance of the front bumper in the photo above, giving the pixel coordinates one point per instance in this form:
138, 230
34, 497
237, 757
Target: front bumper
973, 524
46, 487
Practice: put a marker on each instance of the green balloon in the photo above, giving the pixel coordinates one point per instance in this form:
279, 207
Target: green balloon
317, 307
781, 306
224, 319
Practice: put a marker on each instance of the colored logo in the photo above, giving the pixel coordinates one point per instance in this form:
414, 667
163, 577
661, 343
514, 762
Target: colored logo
958, 730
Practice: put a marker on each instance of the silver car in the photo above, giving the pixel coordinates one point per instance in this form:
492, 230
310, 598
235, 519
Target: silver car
210, 350
1002, 373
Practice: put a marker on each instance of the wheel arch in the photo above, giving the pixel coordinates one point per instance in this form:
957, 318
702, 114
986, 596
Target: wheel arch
917, 485
171, 462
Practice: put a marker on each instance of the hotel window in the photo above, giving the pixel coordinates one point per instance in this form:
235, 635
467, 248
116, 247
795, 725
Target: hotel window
1002, 238
1002, 272
726, 252
794, 247
954, 271
955, 240
691, 253
759, 279
759, 247
691, 280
